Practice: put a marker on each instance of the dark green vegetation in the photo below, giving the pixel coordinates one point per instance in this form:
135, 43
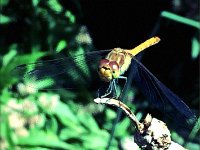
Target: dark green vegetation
30, 31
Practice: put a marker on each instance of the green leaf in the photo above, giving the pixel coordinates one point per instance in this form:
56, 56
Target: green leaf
67, 118
110, 114
122, 127
3, 3
41, 138
177, 138
4, 125
53, 125
11, 62
63, 110
192, 146
55, 6
35, 148
71, 17
68, 133
88, 121
4, 19
23, 59
95, 141
180, 19
139, 115
5, 96
195, 130
42, 122
10, 55
195, 48
61, 45
35, 2
6, 132
29, 58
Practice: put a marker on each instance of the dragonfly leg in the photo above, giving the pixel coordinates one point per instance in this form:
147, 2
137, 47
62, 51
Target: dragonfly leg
110, 89
125, 78
98, 93
114, 89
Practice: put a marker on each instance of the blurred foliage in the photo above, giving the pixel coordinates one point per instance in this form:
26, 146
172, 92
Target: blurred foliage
42, 120
36, 119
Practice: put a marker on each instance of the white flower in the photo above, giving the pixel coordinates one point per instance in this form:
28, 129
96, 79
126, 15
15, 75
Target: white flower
16, 120
29, 106
35, 120
3, 144
22, 132
83, 37
27, 88
12, 106
49, 102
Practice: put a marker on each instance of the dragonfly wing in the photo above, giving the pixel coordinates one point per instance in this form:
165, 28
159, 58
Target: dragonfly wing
67, 72
40, 70
163, 97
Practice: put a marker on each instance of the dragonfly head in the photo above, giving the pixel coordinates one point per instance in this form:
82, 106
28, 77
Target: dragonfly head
108, 70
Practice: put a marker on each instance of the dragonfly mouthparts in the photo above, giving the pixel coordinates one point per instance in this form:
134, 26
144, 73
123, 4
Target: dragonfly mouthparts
106, 68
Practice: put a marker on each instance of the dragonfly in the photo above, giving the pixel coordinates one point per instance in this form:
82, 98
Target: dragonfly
118, 61
110, 65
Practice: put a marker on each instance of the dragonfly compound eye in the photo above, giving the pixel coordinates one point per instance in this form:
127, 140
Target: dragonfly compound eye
115, 69
105, 70
103, 62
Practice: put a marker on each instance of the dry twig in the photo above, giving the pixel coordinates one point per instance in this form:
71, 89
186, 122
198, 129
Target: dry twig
152, 134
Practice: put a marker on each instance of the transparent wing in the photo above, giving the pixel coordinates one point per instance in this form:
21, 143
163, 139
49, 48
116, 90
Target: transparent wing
68, 72
162, 97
